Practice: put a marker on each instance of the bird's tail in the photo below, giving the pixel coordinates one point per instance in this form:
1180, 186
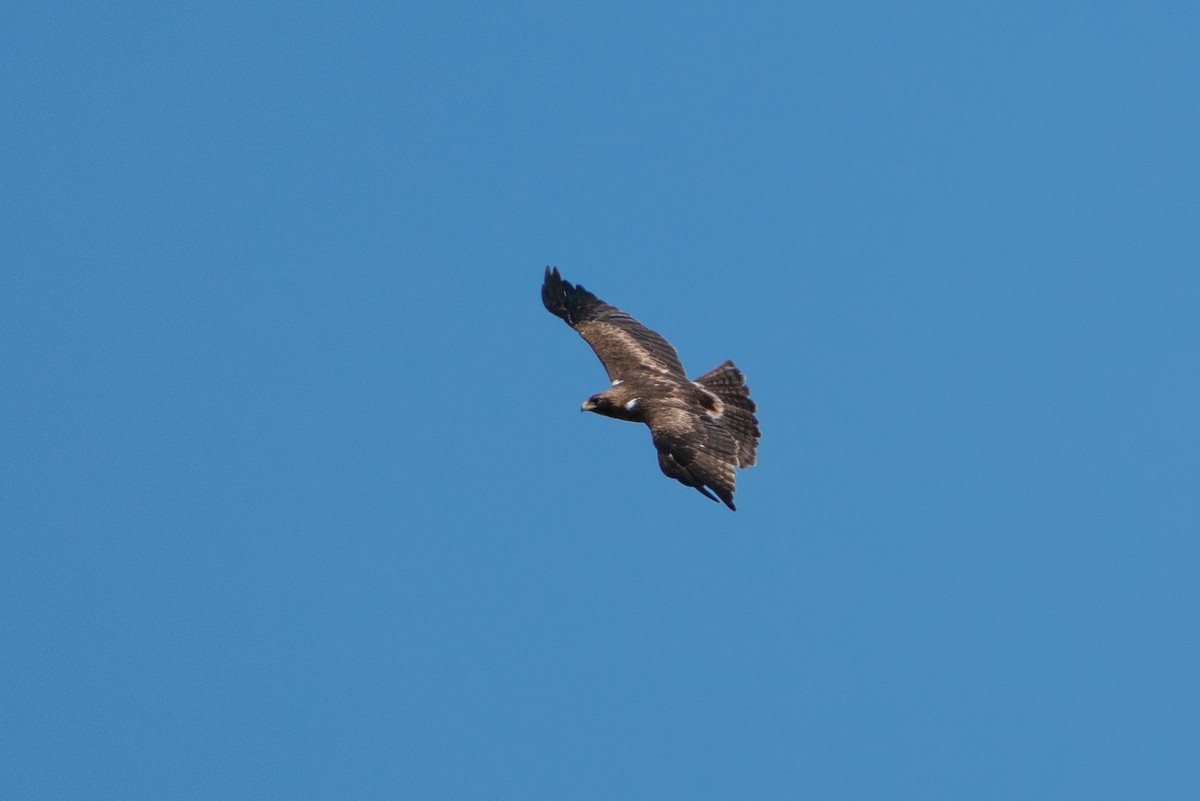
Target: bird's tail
727, 383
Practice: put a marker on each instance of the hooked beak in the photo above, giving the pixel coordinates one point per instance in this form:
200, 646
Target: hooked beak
588, 405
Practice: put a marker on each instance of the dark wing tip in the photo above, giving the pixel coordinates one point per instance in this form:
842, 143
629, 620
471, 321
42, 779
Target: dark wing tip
726, 495
678, 460
569, 301
554, 293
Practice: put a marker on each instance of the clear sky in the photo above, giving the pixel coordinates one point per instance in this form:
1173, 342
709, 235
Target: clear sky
296, 501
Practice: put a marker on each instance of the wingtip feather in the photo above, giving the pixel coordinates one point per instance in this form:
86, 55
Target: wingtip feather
554, 293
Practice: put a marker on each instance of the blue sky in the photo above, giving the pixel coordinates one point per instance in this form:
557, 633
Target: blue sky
297, 501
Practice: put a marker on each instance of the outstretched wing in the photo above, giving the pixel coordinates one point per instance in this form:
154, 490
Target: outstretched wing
695, 450
625, 346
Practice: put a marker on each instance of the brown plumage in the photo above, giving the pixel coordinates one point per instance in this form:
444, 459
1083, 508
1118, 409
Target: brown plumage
703, 429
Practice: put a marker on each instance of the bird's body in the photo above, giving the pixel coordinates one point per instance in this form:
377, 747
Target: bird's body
702, 429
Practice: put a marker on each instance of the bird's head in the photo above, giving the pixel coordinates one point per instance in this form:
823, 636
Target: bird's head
609, 405
596, 403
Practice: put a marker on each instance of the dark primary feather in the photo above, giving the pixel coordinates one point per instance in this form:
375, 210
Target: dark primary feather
702, 430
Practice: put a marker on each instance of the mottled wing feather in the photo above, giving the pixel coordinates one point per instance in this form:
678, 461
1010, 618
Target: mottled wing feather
696, 451
625, 346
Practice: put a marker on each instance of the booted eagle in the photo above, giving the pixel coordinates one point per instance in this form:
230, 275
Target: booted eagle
702, 429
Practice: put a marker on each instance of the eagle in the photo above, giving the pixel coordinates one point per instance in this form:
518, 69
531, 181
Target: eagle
702, 429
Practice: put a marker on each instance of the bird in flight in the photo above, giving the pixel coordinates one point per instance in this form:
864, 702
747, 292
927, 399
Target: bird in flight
702, 429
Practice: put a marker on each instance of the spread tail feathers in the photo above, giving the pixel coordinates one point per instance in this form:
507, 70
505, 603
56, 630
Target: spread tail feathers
727, 383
